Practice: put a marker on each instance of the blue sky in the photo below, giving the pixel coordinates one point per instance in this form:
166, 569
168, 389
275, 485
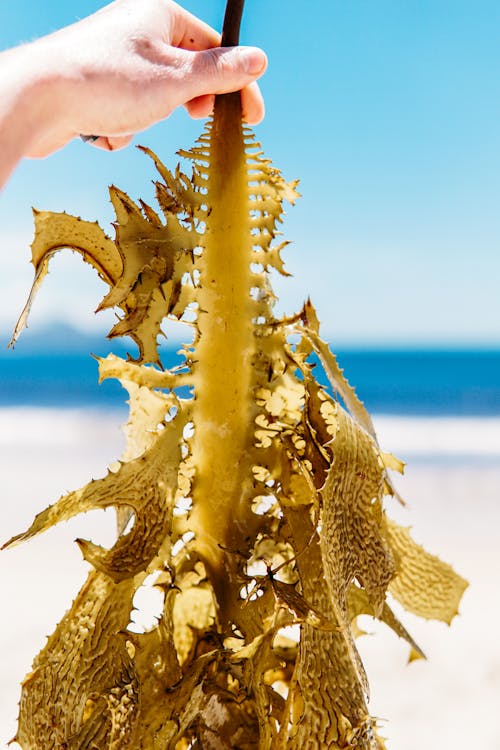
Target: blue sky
388, 112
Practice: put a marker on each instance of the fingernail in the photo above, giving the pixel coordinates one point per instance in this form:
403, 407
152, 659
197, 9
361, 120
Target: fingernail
254, 60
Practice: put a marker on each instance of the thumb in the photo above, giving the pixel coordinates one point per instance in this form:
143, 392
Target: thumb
223, 69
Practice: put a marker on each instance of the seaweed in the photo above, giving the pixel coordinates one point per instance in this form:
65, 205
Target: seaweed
252, 497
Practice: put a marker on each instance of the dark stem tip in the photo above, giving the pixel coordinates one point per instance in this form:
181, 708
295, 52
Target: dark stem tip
232, 23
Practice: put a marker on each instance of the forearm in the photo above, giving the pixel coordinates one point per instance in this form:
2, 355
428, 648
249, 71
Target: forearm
28, 104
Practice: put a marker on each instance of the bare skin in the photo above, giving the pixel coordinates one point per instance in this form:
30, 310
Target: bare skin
114, 74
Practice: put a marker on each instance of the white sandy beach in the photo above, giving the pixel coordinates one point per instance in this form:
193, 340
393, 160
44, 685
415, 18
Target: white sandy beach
449, 701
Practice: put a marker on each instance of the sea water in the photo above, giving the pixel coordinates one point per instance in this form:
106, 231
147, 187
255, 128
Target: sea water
426, 382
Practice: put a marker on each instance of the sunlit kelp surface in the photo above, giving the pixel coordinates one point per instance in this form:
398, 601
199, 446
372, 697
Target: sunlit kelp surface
251, 496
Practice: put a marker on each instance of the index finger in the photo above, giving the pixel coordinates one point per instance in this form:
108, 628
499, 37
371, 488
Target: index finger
189, 32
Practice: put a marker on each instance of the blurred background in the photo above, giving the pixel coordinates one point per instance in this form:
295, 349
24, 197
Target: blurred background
388, 113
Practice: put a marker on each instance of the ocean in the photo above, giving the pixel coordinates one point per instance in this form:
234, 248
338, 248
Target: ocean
426, 382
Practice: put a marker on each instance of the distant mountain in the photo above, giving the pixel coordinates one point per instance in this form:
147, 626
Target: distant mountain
62, 339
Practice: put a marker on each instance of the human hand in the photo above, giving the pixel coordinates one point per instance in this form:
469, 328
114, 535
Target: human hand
130, 65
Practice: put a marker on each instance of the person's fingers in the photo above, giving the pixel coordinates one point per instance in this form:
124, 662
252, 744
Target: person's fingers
189, 32
200, 106
100, 142
119, 141
252, 104
218, 71
112, 143
195, 35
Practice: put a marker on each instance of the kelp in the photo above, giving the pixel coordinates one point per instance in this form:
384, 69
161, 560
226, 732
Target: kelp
251, 495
